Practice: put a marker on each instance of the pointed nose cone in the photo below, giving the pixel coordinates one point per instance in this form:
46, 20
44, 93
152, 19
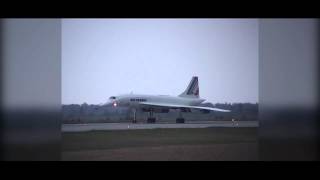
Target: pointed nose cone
112, 104
112, 101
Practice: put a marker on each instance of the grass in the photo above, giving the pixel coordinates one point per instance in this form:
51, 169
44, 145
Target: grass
99, 140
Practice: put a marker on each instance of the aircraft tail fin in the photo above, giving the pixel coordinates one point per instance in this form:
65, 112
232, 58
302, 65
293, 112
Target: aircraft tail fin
192, 90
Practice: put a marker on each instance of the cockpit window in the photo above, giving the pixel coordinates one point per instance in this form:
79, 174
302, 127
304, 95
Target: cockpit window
112, 97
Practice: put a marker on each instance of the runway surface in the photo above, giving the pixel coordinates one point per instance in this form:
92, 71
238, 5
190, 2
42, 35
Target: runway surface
125, 126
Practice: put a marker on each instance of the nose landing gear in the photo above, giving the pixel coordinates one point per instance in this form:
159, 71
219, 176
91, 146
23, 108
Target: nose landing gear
134, 120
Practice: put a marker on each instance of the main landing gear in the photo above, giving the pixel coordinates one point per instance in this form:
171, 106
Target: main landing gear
180, 119
151, 119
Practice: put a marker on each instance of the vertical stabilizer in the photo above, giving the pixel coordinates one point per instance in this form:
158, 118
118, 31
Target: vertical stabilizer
192, 90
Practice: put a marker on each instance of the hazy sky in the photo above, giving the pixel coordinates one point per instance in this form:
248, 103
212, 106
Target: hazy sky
105, 57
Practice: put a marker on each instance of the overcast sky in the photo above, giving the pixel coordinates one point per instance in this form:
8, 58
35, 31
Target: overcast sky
105, 57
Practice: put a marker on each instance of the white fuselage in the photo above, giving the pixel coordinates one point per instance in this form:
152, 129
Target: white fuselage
133, 100
187, 100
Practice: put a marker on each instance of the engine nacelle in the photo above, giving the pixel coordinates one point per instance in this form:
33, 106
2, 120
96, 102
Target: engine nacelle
185, 110
156, 110
204, 111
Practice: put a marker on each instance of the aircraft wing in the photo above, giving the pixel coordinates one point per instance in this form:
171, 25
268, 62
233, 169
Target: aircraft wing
182, 106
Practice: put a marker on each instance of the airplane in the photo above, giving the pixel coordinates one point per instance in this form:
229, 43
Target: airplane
184, 102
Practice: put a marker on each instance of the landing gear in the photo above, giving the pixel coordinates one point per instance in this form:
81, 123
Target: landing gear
151, 119
134, 115
180, 119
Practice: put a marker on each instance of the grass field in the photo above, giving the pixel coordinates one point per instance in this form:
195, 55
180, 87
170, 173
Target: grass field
162, 144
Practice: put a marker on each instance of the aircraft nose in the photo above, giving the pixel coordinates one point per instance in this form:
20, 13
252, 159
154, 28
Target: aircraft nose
112, 103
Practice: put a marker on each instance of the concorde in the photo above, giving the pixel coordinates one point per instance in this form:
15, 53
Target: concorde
184, 102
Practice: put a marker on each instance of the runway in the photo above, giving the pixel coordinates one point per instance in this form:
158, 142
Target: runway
126, 126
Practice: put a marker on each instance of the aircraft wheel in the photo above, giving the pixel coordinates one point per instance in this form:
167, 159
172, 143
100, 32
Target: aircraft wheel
180, 120
151, 120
